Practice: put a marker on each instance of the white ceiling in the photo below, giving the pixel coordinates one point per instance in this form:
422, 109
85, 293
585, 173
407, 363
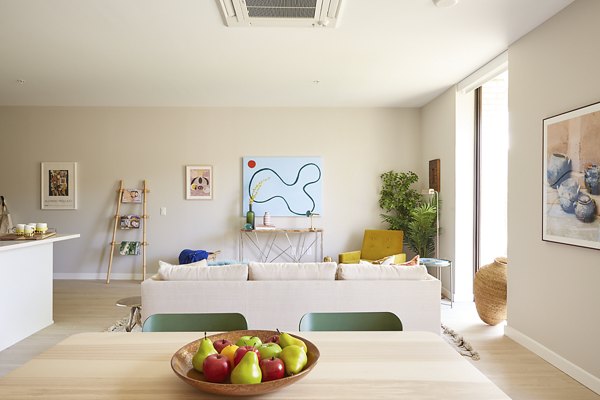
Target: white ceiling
384, 53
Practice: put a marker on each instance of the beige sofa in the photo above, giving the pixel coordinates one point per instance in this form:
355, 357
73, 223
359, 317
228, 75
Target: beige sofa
276, 296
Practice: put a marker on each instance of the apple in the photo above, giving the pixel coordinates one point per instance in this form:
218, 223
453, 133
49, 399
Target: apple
268, 350
249, 341
241, 352
216, 368
272, 368
273, 339
221, 344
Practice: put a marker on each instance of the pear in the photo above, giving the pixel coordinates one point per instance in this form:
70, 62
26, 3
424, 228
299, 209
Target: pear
294, 358
205, 349
285, 339
248, 370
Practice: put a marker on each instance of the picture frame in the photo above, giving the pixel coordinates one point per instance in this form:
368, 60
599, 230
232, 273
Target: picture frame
131, 196
59, 185
199, 182
571, 177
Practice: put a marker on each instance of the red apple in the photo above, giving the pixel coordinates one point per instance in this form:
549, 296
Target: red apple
272, 368
216, 368
273, 339
239, 353
221, 344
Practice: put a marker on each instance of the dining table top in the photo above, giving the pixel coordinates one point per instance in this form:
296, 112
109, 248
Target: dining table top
352, 365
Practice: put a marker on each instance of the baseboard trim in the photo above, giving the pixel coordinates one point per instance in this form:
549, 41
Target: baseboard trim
96, 276
574, 371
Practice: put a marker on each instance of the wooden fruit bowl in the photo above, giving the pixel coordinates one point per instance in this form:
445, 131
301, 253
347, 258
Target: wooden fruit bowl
181, 362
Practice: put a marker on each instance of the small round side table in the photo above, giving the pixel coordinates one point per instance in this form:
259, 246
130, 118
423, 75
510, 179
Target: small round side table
135, 316
438, 264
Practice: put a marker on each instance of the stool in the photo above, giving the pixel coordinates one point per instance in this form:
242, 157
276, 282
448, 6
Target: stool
135, 316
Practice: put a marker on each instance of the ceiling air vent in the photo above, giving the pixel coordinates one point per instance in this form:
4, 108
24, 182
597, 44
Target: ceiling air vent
298, 13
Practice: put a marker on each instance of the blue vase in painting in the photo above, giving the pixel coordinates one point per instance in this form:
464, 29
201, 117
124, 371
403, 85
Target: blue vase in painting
585, 210
592, 179
568, 192
559, 167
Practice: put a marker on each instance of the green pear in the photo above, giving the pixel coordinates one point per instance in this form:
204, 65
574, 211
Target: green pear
285, 340
294, 358
248, 370
205, 349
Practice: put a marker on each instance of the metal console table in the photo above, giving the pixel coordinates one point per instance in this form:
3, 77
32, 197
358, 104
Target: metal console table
438, 264
273, 244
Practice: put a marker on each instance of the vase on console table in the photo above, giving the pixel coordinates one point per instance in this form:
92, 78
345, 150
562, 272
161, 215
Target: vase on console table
250, 216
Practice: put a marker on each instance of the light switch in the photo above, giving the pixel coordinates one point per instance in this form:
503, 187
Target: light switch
163, 211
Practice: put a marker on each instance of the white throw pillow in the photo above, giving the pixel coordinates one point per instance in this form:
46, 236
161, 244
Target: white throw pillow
324, 271
381, 272
200, 271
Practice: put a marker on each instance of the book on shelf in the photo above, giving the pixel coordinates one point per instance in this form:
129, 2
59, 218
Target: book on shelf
264, 227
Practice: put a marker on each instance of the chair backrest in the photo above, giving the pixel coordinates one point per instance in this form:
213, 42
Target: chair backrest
215, 322
379, 243
351, 321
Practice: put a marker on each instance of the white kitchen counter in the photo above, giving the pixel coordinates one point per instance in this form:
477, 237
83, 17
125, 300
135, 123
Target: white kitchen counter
26, 268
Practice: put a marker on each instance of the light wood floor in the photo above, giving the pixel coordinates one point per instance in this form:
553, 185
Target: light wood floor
84, 306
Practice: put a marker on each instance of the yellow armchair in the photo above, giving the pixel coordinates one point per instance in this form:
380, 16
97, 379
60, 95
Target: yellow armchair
376, 245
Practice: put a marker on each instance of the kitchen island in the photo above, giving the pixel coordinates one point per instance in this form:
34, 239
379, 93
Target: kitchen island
26, 268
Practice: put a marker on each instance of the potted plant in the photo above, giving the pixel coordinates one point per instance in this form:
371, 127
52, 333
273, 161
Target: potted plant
406, 210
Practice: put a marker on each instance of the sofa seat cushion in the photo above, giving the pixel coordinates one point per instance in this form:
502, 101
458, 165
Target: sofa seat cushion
292, 271
381, 272
200, 271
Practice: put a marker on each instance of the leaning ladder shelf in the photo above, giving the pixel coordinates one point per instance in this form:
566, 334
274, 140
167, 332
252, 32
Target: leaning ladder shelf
143, 221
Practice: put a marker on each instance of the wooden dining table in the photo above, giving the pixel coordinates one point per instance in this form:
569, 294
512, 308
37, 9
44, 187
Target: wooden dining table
352, 365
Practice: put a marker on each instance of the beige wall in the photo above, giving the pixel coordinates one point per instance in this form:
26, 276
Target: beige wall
438, 130
553, 289
356, 146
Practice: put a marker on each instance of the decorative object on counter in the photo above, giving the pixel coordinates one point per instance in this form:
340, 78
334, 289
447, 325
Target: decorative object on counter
199, 182
250, 218
585, 210
41, 227
311, 214
592, 179
128, 222
490, 291
568, 192
267, 219
5, 218
559, 167
571, 161
59, 185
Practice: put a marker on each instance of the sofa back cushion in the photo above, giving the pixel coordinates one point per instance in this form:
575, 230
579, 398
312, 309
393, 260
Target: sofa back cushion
381, 272
292, 271
200, 271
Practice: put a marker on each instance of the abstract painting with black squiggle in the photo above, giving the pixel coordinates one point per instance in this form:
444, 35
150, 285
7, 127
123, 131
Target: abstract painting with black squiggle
291, 186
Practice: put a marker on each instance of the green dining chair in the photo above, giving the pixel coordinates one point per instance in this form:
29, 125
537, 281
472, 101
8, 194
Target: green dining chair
351, 321
215, 322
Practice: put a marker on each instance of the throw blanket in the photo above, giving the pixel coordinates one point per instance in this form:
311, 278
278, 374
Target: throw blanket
188, 256
130, 248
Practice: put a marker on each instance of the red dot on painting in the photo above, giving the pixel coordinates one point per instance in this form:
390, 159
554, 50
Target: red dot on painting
252, 163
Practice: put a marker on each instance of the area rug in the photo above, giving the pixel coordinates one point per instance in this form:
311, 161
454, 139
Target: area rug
459, 343
455, 339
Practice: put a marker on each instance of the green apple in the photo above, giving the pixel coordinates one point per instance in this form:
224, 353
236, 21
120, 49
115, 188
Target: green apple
248, 341
294, 358
268, 350
247, 371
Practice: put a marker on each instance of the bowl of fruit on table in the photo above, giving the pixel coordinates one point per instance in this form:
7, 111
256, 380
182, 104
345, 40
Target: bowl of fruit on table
245, 363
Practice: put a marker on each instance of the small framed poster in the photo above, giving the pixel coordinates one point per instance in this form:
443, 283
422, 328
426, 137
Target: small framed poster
59, 185
198, 182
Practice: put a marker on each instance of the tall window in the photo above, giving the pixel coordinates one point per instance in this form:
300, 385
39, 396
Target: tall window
491, 170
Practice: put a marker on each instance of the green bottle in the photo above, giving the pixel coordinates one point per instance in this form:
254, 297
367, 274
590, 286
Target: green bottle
250, 216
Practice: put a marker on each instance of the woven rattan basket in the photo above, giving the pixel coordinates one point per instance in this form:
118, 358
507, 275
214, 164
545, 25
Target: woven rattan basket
490, 291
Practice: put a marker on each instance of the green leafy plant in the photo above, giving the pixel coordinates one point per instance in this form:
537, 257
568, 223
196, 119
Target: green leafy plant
398, 199
422, 228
